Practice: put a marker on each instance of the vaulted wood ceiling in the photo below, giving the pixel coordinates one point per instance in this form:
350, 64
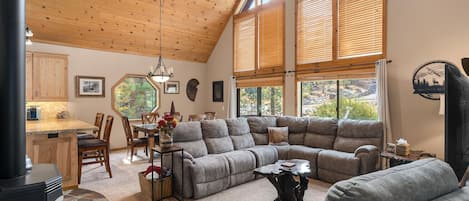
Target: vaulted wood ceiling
191, 28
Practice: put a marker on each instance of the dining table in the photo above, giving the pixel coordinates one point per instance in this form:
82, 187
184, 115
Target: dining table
151, 130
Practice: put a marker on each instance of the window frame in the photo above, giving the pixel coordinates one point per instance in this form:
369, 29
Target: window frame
247, 13
259, 101
152, 83
364, 61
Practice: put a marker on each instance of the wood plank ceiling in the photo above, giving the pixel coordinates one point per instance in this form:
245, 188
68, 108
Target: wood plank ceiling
191, 28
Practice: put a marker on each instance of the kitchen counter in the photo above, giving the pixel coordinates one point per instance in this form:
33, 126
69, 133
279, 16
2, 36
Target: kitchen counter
57, 126
55, 141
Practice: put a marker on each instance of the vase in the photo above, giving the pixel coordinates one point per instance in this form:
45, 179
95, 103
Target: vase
166, 139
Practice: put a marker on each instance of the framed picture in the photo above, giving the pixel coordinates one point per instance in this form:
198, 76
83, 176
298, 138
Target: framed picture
89, 86
391, 148
217, 95
171, 87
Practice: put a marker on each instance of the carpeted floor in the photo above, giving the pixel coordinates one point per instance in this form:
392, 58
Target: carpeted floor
125, 186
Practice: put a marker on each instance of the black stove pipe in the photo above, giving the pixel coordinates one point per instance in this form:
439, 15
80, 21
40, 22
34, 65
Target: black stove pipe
12, 89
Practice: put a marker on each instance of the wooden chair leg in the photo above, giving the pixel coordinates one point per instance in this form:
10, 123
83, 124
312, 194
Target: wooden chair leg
80, 163
106, 161
131, 153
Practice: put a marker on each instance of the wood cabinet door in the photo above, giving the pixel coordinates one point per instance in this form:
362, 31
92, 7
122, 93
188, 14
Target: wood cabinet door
29, 76
61, 150
50, 77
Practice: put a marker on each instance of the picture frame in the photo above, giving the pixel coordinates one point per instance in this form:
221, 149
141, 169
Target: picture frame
171, 87
217, 89
90, 86
391, 148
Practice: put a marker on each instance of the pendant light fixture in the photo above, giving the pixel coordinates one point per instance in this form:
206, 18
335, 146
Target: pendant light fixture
161, 73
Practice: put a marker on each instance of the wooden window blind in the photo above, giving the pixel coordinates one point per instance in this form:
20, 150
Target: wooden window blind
314, 31
244, 43
259, 35
337, 34
360, 28
271, 37
260, 82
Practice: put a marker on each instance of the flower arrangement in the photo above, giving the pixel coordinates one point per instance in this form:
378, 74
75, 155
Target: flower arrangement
165, 126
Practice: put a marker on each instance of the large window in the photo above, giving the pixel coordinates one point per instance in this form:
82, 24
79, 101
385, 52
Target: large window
260, 101
344, 99
331, 33
134, 95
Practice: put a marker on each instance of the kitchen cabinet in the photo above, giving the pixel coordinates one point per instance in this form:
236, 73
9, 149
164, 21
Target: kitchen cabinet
57, 148
46, 77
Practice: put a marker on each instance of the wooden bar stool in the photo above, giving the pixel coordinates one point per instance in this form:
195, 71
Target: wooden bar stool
98, 122
96, 148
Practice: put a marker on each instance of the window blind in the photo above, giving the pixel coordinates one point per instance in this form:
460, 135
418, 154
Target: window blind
271, 37
360, 28
314, 31
260, 82
244, 44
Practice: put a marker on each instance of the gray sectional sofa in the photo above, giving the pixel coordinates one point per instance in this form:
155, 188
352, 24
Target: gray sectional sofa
424, 180
219, 154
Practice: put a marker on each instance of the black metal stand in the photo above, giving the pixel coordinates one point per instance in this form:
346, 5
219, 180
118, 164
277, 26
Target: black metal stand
287, 188
163, 151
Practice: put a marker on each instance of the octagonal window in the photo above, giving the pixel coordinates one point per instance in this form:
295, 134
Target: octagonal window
135, 94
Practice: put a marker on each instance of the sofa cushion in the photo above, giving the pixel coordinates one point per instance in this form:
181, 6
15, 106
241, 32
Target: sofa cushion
210, 174
241, 163
278, 135
306, 153
352, 134
296, 128
457, 195
258, 127
264, 154
188, 135
321, 133
421, 180
282, 150
342, 164
216, 137
240, 133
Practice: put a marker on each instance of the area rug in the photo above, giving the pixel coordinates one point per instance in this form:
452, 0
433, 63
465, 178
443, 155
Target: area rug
80, 194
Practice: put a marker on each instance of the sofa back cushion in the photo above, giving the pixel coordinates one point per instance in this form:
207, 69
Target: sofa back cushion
239, 133
215, 134
421, 180
321, 132
188, 135
296, 128
352, 134
258, 127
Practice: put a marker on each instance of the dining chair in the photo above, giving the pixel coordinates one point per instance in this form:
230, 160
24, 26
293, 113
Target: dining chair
100, 148
98, 122
210, 115
132, 142
150, 117
177, 116
197, 117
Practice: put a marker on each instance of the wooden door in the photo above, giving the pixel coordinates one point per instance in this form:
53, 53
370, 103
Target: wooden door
50, 77
61, 150
29, 76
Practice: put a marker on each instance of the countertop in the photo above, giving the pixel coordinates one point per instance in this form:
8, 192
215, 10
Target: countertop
57, 126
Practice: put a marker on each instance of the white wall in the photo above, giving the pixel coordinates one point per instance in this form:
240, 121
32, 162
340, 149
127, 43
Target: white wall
418, 31
114, 66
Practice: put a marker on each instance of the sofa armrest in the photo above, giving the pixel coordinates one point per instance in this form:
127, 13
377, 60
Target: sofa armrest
462, 183
368, 155
186, 163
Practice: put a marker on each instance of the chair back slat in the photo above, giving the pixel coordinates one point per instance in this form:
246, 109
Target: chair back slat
107, 128
150, 117
210, 115
197, 117
98, 122
127, 130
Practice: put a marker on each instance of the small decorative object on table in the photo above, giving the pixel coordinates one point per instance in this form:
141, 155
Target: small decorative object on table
165, 127
402, 147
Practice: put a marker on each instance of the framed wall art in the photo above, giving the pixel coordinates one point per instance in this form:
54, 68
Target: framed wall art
89, 86
217, 95
171, 87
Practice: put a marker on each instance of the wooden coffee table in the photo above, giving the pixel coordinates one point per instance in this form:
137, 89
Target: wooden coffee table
282, 178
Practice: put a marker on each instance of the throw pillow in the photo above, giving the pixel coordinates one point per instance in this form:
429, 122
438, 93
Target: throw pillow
278, 135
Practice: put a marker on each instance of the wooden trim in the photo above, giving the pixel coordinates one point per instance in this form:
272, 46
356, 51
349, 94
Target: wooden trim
385, 25
138, 76
335, 29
